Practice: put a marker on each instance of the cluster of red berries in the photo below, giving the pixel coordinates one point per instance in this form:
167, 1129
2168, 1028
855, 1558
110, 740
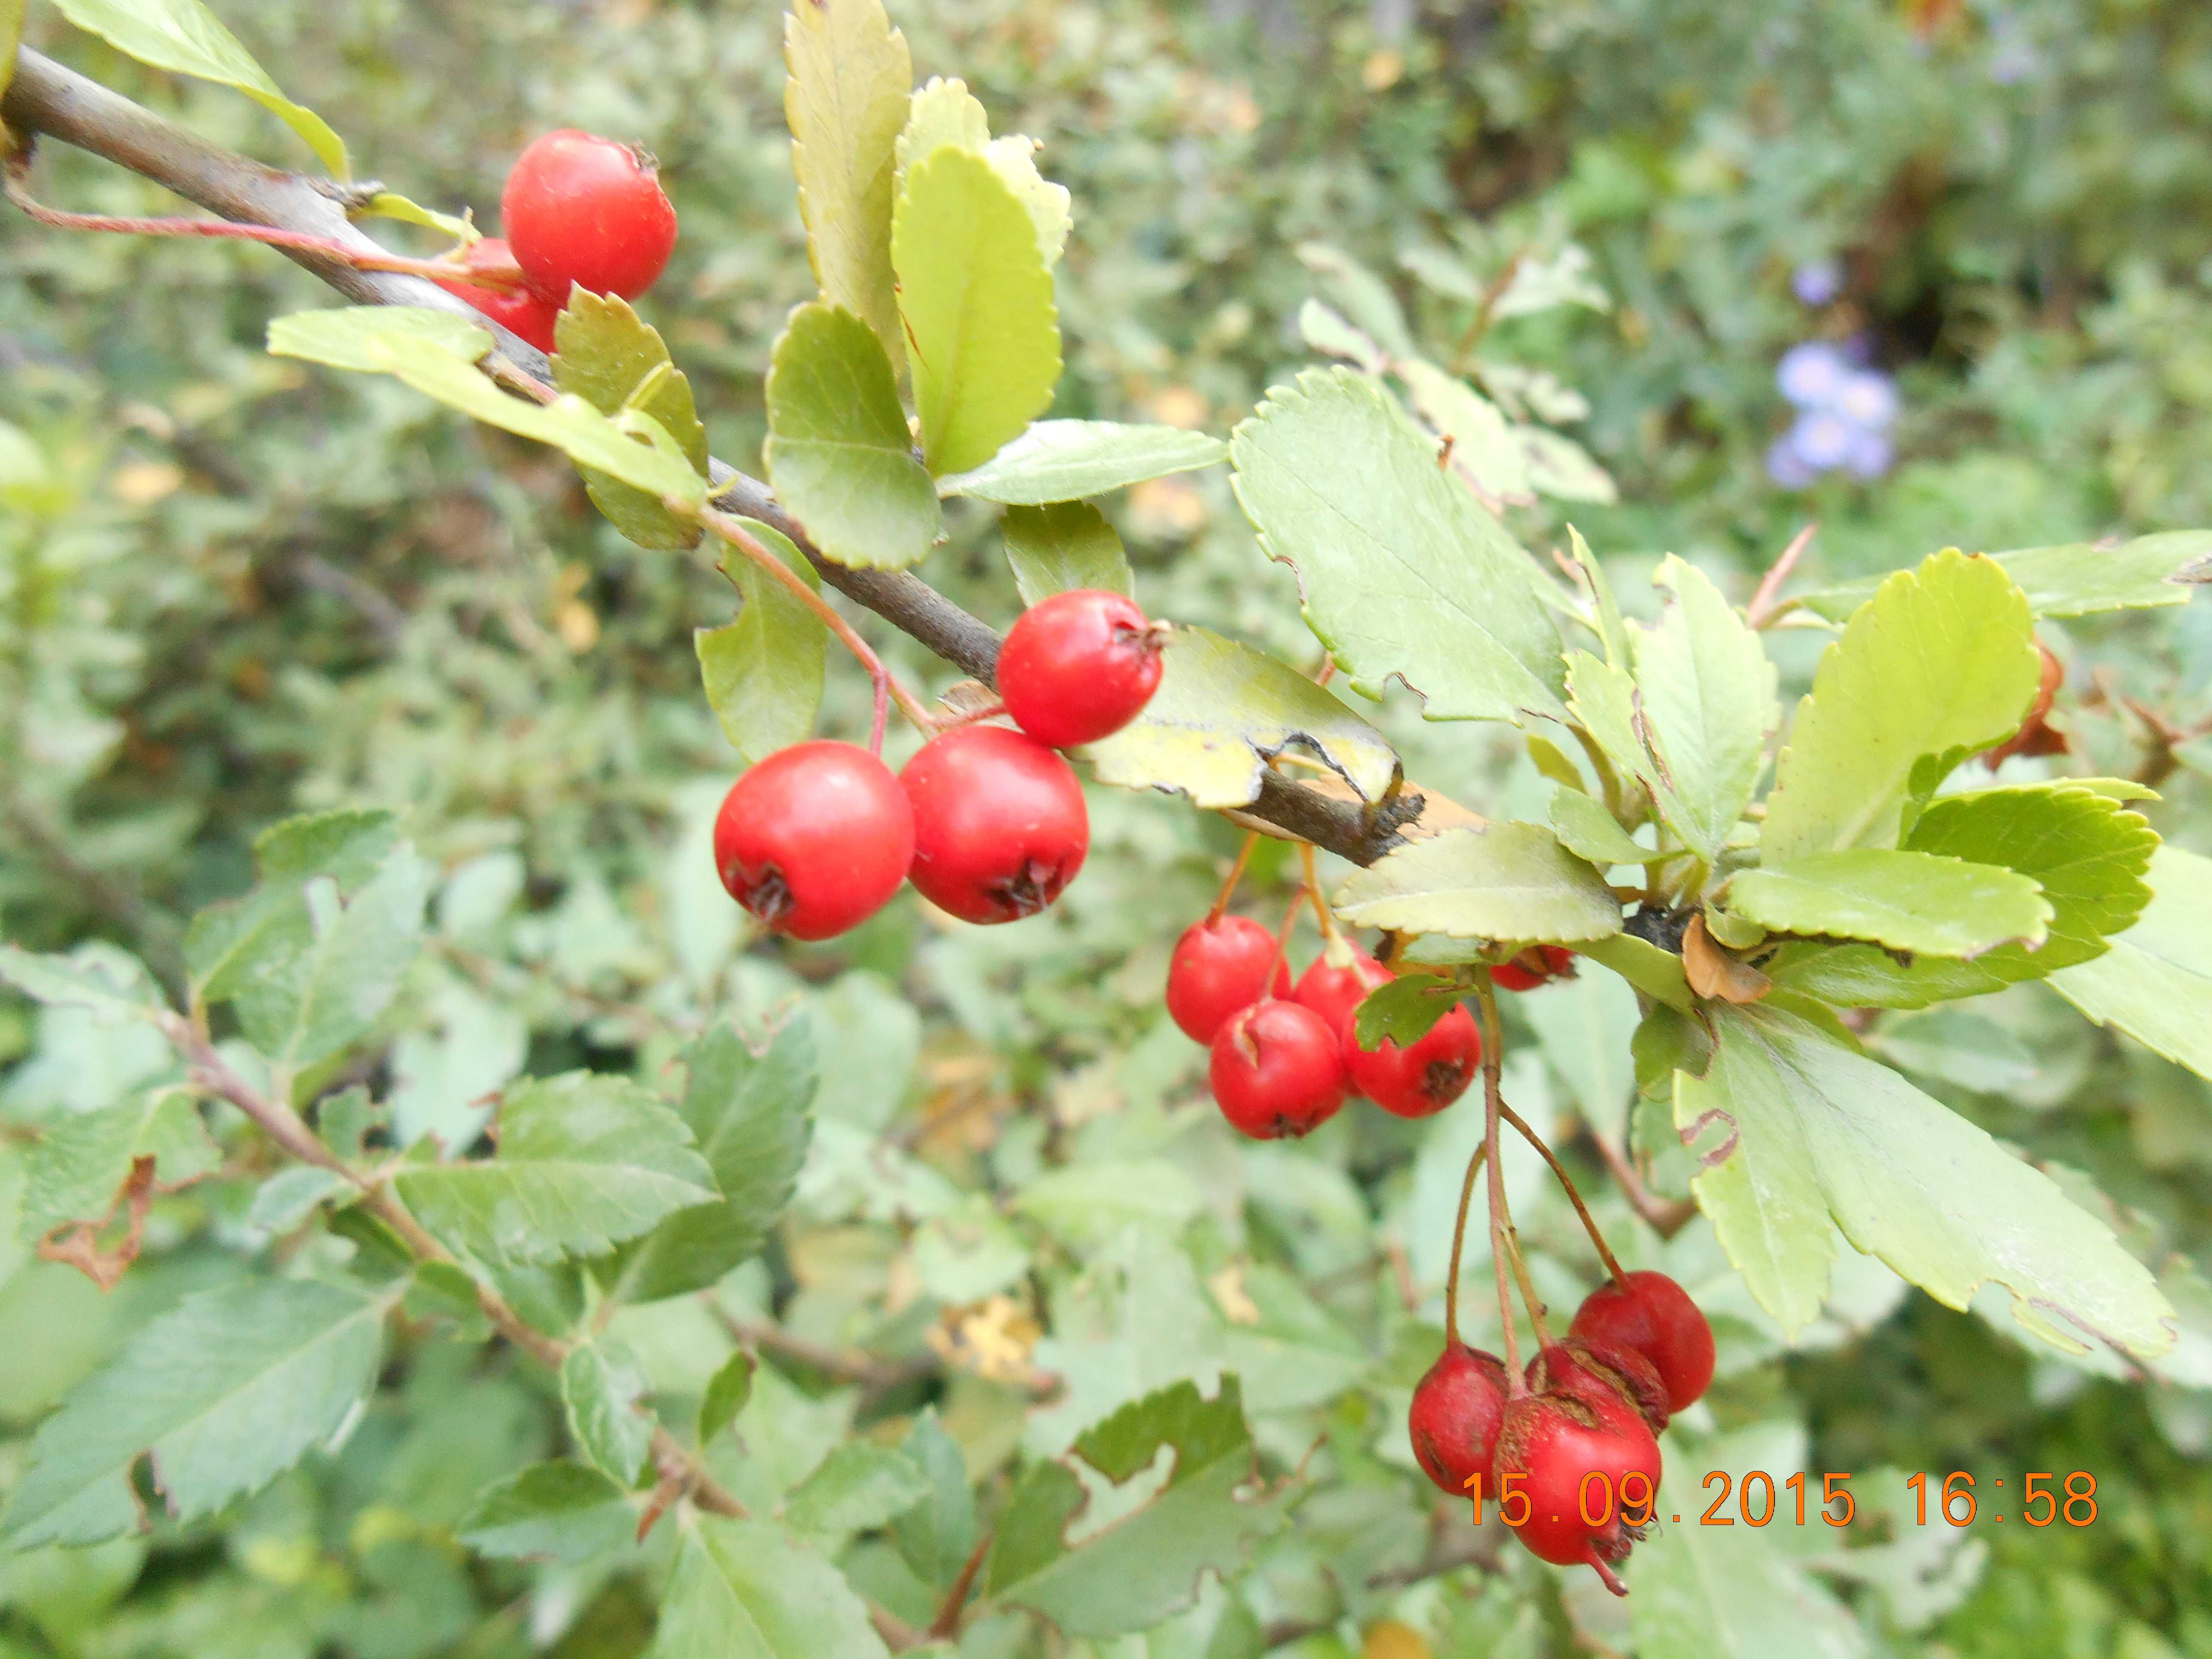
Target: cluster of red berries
1285, 1057
988, 822
580, 211
1572, 1458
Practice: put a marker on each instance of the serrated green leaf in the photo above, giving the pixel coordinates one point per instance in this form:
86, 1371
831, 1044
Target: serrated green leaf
230, 943
1014, 159
1403, 571
76, 1167
746, 1590
358, 337
227, 1391
1327, 331
2079, 579
1361, 295
1589, 831
1145, 1566
1404, 1009
764, 672
585, 1162
2087, 850
184, 38
288, 1197
1221, 712
1483, 448
2156, 981
1072, 460
1606, 620
1708, 694
1562, 469
751, 1117
1502, 881
858, 1487
1658, 974
1791, 1127
941, 112
936, 1536
1939, 664
977, 302
559, 1511
726, 1394
601, 1388
68, 982
1919, 902
849, 76
1058, 549
838, 450
605, 354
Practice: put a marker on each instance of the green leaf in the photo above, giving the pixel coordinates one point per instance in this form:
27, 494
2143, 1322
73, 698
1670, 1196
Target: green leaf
1222, 711
1502, 881
231, 943
1918, 901
1658, 974
228, 1392
2079, 579
1403, 571
1013, 158
560, 1511
1068, 545
2085, 848
358, 337
942, 112
2156, 981
977, 302
389, 205
606, 355
1483, 448
1363, 296
1939, 664
858, 1487
601, 1387
747, 1589
1146, 1565
78, 1166
1589, 831
726, 1394
845, 97
288, 1197
438, 1290
750, 1115
936, 1536
184, 38
1404, 1009
1562, 469
1327, 331
66, 982
764, 672
1606, 621
585, 1162
1072, 460
1808, 1129
11, 36
1708, 695
838, 450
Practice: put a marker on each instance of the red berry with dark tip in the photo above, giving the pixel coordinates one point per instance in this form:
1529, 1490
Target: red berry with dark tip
1577, 1366
999, 827
588, 212
1538, 965
1276, 1070
1458, 1407
1422, 1078
815, 839
1573, 1456
1333, 991
1654, 1316
1078, 666
517, 310
1219, 967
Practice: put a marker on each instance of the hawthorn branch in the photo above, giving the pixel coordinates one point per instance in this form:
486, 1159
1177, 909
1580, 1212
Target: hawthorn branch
47, 100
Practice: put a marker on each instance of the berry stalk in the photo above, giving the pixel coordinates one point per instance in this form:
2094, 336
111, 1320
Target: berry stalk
1493, 1043
1459, 1241
1589, 1222
1236, 874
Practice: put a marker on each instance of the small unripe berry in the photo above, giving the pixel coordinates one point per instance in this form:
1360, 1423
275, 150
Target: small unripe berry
588, 212
1573, 1456
1331, 991
1459, 1405
1536, 966
815, 839
1219, 967
1422, 1078
1078, 666
519, 310
1276, 1070
999, 827
1654, 1316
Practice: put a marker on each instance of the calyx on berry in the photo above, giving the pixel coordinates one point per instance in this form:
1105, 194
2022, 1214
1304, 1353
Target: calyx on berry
1220, 965
521, 310
1332, 989
999, 827
815, 839
1080, 666
1459, 1405
1652, 1315
588, 212
1575, 1453
1422, 1078
1276, 1070
1537, 965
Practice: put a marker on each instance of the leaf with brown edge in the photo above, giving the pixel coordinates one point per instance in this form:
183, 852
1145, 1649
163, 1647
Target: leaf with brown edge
78, 1245
1713, 973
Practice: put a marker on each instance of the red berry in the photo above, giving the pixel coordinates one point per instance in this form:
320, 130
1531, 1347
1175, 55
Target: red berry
1458, 1407
517, 310
1577, 1456
1576, 1366
1533, 967
1219, 967
1655, 1316
1333, 992
587, 211
815, 839
999, 823
1276, 1070
1421, 1079
1078, 666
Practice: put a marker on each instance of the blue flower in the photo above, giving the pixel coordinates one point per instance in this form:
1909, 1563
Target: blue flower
1817, 282
1811, 374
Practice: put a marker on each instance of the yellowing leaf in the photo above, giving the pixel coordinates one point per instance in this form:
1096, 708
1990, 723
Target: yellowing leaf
1502, 881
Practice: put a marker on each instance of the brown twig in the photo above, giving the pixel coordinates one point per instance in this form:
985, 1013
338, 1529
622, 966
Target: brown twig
1665, 1216
947, 1622
845, 1364
1766, 603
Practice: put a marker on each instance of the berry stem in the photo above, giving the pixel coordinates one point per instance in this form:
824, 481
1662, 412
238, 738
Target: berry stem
1236, 874
1313, 885
1493, 1040
1528, 1296
1589, 1222
1283, 939
1459, 1240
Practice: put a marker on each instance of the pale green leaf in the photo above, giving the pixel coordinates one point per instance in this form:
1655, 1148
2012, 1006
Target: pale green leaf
1918, 901
1483, 447
1940, 664
560, 1511
601, 1392
1057, 548
1221, 712
228, 1392
2156, 981
358, 337
1404, 1009
1606, 620
1708, 694
1791, 1127
838, 450
942, 112
1658, 974
2079, 579
184, 38
1502, 881
726, 1394
389, 205
78, 1166
747, 1589
81, 983
1404, 572
1562, 469
585, 1162
845, 99
607, 356
231, 942
858, 1487
1585, 1026
1328, 331
288, 1197
1541, 283
936, 1536
764, 672
1361, 295
977, 302
1589, 831
1072, 460
1014, 159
